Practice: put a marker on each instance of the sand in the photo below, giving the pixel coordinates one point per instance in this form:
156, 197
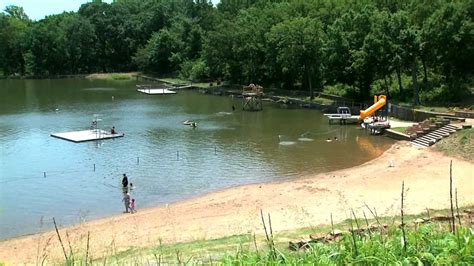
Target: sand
294, 204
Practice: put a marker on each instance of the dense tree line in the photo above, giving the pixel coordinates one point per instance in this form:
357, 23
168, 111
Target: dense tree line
405, 48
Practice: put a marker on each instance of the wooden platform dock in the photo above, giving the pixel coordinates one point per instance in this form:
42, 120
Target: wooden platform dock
86, 135
341, 119
156, 91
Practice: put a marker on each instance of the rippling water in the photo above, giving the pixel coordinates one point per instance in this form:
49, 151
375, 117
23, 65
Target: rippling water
166, 160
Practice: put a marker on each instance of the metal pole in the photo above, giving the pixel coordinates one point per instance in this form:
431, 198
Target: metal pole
138, 160
94, 167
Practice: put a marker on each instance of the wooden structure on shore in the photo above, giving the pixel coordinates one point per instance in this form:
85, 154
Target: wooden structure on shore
252, 98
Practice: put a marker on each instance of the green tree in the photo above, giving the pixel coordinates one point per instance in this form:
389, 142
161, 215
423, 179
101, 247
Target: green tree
16, 12
349, 59
298, 46
47, 47
405, 49
217, 52
79, 38
157, 54
13, 33
448, 33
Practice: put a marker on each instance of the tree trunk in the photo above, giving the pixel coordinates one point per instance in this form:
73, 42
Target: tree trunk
22, 66
310, 85
414, 70
399, 77
387, 90
425, 77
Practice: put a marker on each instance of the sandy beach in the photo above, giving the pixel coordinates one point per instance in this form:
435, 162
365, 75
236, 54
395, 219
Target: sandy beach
293, 204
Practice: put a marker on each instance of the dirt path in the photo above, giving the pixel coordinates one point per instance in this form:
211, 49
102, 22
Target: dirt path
295, 204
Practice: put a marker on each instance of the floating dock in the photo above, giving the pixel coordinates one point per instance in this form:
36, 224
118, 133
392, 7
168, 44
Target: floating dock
156, 91
86, 135
343, 119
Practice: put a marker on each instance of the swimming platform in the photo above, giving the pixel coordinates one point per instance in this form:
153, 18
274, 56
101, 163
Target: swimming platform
156, 91
86, 135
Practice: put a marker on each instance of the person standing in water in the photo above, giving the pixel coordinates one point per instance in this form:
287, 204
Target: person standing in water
132, 206
125, 181
126, 201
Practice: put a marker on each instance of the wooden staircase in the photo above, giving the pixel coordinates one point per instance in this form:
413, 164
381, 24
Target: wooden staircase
435, 136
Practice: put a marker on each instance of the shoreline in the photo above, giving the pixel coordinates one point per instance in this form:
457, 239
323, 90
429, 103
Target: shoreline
295, 178
304, 202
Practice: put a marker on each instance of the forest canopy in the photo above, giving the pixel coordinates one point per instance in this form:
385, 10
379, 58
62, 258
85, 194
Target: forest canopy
409, 49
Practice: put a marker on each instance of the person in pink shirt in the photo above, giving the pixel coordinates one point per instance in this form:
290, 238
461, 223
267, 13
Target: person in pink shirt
132, 206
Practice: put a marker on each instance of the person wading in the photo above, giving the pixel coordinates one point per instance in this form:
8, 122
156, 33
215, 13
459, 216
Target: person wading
125, 181
126, 202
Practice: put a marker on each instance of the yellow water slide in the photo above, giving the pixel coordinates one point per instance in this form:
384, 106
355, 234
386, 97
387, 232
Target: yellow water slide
379, 102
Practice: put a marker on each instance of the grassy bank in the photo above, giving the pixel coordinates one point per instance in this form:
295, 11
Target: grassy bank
112, 76
424, 245
400, 129
460, 144
430, 242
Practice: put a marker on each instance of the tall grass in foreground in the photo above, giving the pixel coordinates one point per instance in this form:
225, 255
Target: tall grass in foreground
426, 244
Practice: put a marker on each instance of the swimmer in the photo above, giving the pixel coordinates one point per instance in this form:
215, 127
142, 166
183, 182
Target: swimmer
328, 140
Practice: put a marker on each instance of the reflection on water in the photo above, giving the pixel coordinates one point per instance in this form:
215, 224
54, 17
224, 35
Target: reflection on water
167, 161
370, 149
99, 89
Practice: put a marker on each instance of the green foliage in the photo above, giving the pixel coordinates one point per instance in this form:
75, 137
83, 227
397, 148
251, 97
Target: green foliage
13, 35
400, 129
337, 89
194, 70
298, 48
418, 51
428, 244
160, 54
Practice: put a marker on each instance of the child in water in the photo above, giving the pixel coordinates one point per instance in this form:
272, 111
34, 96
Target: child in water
132, 206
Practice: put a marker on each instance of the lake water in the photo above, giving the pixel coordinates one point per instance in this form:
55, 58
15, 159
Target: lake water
165, 160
